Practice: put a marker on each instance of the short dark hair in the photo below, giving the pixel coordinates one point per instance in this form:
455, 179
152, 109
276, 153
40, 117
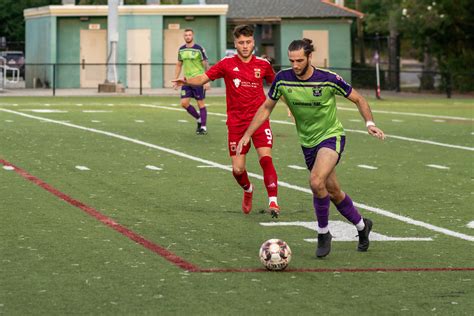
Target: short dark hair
244, 29
306, 44
189, 30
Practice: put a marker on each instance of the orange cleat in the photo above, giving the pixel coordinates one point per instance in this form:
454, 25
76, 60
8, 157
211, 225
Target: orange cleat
274, 209
247, 202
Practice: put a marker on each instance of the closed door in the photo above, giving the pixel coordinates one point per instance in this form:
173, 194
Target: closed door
139, 52
93, 50
173, 40
321, 43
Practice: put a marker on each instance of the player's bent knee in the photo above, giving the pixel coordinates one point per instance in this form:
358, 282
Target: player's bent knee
238, 170
317, 184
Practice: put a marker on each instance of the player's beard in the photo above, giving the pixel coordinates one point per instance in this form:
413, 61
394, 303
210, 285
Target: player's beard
303, 71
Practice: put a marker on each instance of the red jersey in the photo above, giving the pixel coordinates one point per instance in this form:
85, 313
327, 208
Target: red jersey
244, 86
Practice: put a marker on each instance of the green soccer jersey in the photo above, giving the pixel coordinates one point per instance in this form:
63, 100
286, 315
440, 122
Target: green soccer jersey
312, 103
192, 58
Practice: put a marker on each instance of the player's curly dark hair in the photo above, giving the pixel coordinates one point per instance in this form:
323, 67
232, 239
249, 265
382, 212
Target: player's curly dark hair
306, 44
244, 29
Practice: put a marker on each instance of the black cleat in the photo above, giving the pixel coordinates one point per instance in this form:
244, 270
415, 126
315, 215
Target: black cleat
202, 131
324, 245
198, 128
364, 236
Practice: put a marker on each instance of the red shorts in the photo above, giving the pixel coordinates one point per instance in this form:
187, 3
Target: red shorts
262, 137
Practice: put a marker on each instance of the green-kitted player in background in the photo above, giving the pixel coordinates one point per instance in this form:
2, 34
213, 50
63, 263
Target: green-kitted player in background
193, 59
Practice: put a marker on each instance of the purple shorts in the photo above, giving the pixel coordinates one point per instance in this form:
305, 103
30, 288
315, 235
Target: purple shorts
195, 92
335, 143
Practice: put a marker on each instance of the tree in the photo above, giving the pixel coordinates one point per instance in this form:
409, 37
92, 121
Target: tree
12, 24
443, 29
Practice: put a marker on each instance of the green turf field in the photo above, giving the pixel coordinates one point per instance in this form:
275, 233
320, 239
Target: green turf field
199, 254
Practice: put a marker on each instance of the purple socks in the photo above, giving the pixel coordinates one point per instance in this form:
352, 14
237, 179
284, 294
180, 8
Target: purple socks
203, 113
348, 210
191, 110
321, 207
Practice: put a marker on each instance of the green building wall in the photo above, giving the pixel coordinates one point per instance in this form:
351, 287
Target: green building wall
40, 48
155, 24
203, 28
339, 42
68, 49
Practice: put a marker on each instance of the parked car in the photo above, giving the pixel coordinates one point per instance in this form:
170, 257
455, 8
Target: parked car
15, 59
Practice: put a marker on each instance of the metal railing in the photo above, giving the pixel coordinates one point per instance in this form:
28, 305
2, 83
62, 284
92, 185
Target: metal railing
139, 77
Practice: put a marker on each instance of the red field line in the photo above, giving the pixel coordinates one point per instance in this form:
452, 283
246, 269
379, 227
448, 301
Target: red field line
337, 270
168, 255
180, 262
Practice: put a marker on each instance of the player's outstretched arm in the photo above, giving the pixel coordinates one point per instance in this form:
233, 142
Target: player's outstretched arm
366, 113
194, 81
177, 71
261, 116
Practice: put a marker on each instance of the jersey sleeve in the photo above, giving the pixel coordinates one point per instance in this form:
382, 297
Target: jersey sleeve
203, 53
340, 86
274, 93
269, 74
179, 55
216, 71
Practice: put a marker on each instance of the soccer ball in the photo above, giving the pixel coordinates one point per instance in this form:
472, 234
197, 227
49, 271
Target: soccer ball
275, 254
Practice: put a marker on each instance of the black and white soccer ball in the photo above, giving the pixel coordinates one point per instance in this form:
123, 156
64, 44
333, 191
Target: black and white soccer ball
275, 254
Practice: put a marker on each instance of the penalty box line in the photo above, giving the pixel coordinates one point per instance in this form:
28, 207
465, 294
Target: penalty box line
257, 176
180, 262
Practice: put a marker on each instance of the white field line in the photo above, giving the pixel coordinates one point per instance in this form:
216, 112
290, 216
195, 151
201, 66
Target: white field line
228, 168
438, 167
367, 167
458, 118
346, 129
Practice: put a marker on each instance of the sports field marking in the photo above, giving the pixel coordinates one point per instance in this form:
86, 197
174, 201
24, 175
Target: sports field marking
296, 167
346, 129
79, 104
411, 114
8, 168
438, 167
183, 121
355, 120
470, 224
95, 121
139, 121
367, 167
44, 111
163, 252
96, 111
151, 167
439, 121
416, 140
180, 262
342, 231
397, 121
254, 175
9, 121
82, 168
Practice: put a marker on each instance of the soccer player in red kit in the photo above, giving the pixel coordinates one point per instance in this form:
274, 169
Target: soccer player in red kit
243, 74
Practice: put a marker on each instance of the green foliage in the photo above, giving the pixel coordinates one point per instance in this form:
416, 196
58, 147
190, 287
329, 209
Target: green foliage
444, 29
12, 24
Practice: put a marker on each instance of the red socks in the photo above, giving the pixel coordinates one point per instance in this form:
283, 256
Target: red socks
242, 179
270, 177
